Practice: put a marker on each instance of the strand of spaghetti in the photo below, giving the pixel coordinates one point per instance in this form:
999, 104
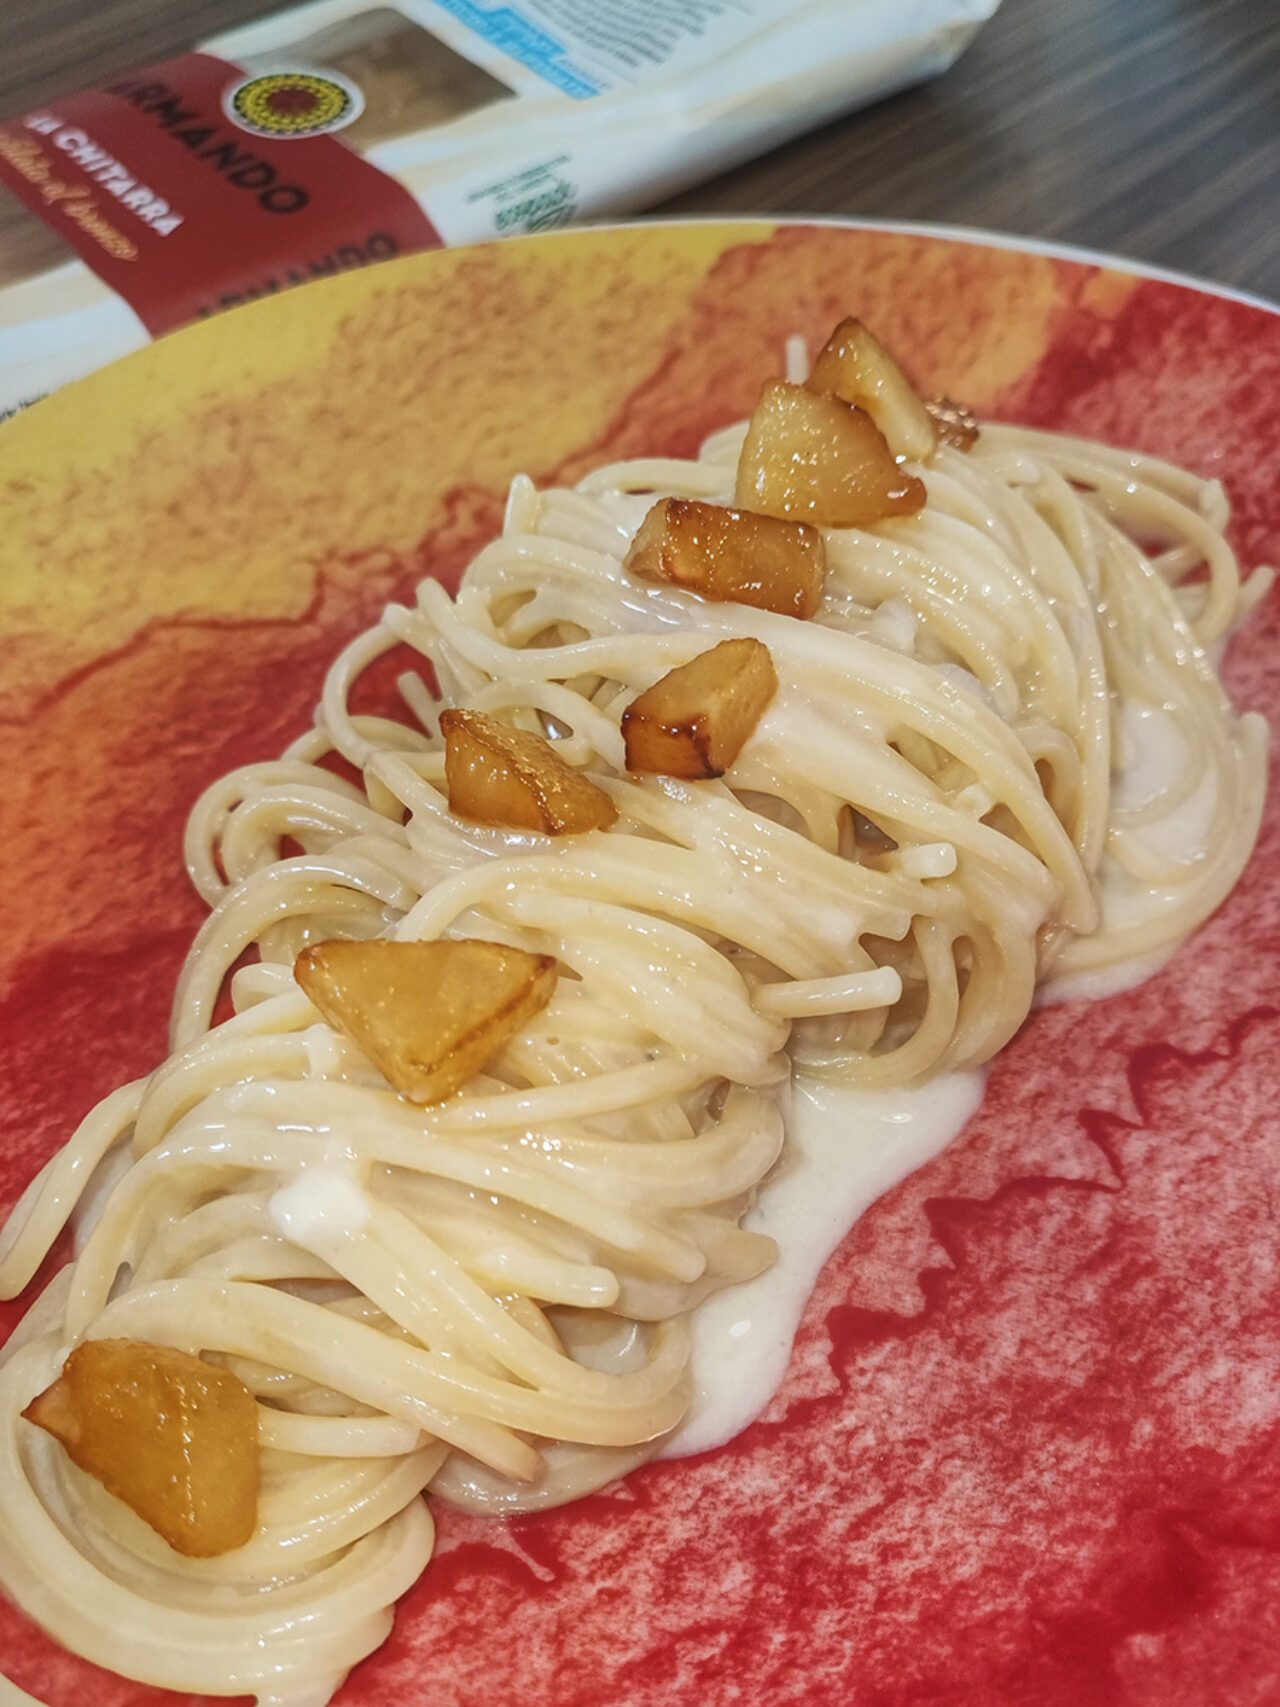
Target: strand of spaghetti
1216, 876
314, 1629
1142, 490
46, 1205
180, 1168
397, 1378
335, 1437
210, 815
845, 993
333, 887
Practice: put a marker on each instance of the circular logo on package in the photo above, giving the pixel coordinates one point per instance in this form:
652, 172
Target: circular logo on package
288, 104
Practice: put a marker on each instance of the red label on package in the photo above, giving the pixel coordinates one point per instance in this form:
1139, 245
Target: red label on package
191, 187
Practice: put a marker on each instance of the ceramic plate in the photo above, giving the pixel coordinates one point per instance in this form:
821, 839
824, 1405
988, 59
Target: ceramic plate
1029, 1446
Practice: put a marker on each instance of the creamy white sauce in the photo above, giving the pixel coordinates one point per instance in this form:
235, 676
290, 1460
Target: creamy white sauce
1095, 984
321, 1206
845, 1149
1152, 756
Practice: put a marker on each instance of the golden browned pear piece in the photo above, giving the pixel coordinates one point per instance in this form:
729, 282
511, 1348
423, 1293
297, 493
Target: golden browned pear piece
696, 720
499, 775
810, 455
855, 366
731, 556
429, 1015
174, 1437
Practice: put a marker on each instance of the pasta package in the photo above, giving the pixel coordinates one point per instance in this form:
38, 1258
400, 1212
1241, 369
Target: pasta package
345, 132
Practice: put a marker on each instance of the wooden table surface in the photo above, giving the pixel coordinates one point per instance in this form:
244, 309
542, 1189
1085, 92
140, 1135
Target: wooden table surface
1148, 128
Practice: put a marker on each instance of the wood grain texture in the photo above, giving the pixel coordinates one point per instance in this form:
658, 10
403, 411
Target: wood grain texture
1149, 127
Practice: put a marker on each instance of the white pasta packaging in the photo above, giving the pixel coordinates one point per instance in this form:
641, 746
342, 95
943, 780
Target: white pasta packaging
346, 132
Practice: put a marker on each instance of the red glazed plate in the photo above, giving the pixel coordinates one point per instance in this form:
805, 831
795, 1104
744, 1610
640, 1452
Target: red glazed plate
1029, 1446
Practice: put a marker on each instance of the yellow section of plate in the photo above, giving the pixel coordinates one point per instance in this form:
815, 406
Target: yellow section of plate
329, 420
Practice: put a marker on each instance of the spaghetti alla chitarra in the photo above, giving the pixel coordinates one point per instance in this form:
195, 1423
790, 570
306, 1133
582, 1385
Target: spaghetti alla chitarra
821, 753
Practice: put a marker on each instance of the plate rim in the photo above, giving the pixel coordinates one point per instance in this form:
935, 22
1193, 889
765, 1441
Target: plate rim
939, 230
932, 230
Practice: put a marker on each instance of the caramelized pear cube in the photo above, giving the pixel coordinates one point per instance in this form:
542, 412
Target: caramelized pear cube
504, 776
809, 454
429, 1015
731, 556
854, 366
696, 720
174, 1437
